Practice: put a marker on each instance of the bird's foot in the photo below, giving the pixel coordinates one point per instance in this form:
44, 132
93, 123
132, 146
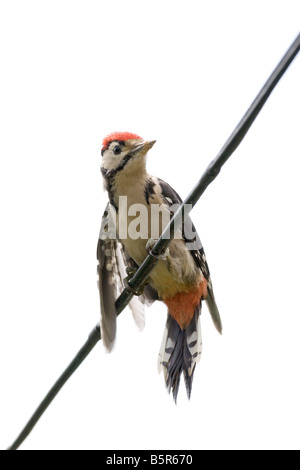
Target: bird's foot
162, 256
130, 273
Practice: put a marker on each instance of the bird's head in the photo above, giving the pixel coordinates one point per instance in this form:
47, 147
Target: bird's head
124, 151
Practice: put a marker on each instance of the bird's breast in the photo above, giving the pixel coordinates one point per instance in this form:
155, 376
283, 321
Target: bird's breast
143, 215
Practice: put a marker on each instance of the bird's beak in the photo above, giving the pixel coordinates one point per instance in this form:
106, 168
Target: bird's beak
143, 147
149, 144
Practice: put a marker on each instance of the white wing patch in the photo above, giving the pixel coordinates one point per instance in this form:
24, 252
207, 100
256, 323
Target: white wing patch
135, 305
112, 263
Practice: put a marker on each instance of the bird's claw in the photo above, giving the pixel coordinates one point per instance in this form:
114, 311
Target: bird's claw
131, 272
162, 256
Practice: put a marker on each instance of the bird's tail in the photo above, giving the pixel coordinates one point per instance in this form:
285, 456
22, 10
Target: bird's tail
179, 353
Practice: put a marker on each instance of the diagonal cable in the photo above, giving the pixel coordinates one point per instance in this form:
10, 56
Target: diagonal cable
144, 270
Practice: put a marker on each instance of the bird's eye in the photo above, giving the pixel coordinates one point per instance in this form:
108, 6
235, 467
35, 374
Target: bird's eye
117, 150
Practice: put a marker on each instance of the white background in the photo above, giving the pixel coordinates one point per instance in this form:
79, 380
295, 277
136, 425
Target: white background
183, 73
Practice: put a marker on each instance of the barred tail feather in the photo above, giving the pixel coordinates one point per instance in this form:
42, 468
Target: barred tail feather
179, 353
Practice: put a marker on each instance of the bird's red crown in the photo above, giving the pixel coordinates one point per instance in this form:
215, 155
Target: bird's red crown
123, 136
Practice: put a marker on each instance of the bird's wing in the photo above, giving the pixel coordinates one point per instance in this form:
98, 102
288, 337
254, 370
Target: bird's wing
113, 260
194, 244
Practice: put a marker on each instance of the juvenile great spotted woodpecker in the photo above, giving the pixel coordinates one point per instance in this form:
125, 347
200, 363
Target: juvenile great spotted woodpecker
180, 278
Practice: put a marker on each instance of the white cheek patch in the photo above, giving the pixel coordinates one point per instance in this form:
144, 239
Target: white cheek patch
110, 160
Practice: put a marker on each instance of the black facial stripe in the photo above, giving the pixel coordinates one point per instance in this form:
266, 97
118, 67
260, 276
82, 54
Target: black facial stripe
123, 162
109, 176
149, 190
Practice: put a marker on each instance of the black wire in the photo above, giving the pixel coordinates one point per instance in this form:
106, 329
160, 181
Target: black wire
92, 340
144, 270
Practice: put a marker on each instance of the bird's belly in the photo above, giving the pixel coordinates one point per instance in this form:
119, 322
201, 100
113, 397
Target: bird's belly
169, 283
166, 284
136, 249
168, 277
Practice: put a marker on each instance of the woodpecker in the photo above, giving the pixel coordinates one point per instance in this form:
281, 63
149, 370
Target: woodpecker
180, 278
